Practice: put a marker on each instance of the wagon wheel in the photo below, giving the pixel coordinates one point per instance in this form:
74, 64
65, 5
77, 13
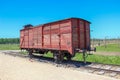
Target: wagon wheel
68, 56
30, 54
55, 56
61, 57
58, 57
41, 53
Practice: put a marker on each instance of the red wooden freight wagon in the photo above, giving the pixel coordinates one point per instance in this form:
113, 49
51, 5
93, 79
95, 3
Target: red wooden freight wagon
63, 38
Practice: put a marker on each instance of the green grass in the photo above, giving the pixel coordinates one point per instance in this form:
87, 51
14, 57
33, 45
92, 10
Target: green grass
109, 48
95, 58
9, 46
49, 54
99, 59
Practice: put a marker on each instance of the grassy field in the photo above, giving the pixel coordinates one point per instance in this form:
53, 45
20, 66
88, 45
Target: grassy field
78, 57
9, 46
99, 59
109, 48
95, 58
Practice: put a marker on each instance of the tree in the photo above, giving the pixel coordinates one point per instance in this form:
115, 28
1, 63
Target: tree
9, 40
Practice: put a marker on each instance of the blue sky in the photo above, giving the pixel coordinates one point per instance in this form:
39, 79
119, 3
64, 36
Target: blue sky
103, 14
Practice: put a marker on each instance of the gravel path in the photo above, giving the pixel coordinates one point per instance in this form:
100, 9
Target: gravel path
16, 68
108, 53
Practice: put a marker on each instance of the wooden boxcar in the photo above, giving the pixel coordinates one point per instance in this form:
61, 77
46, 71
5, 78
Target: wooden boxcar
62, 38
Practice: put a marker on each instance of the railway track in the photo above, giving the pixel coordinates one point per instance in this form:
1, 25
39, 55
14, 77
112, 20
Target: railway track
101, 71
94, 68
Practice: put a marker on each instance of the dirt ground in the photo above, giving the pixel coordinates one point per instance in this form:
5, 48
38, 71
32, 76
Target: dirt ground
108, 53
16, 68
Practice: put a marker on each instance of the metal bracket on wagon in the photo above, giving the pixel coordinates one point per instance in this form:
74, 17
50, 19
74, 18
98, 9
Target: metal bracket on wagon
80, 50
93, 49
85, 50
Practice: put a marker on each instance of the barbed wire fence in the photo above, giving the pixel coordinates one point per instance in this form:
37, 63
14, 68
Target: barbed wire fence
104, 42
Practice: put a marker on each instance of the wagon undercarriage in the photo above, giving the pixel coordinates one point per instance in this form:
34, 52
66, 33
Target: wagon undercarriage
59, 55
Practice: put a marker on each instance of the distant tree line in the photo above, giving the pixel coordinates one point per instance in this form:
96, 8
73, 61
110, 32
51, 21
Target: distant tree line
9, 40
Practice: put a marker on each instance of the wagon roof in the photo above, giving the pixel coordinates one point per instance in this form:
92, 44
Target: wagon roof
62, 20
58, 22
